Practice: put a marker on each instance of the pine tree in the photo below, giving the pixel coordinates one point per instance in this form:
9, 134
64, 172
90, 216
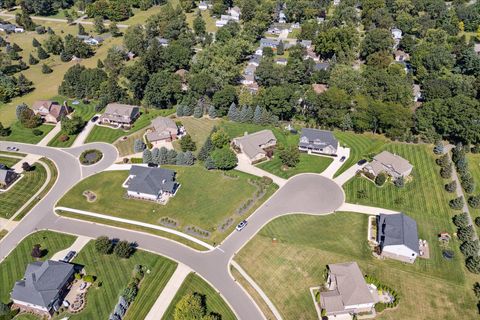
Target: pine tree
162, 156
32, 60
212, 112
189, 158
138, 146
46, 69
233, 113
20, 109
114, 31
243, 114
180, 110
16, 47
198, 112
35, 43
81, 30
171, 156
155, 155
180, 161
210, 164
187, 110
265, 119
147, 156
24, 85
42, 54
257, 116
22, 65
98, 25
280, 48
206, 149
100, 64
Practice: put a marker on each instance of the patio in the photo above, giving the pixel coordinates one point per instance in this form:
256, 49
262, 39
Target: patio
76, 298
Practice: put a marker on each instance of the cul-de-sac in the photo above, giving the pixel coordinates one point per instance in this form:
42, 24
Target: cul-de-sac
239, 159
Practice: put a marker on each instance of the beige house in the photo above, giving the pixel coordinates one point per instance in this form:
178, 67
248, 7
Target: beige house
120, 114
393, 165
348, 292
163, 129
254, 145
50, 111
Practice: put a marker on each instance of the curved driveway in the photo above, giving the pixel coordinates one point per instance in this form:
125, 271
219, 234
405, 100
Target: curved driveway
306, 193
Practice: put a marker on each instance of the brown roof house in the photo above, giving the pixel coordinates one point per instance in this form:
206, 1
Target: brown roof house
348, 292
254, 145
393, 165
163, 129
122, 115
50, 111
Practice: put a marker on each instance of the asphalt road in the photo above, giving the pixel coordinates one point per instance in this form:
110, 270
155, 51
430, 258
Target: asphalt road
307, 193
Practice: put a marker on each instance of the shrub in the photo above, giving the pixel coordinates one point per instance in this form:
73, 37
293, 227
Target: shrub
399, 182
446, 171
40, 30
379, 307
103, 245
187, 144
380, 179
37, 132
466, 233
438, 149
475, 149
138, 146
123, 249
443, 160
46, 69
26, 166
290, 156
362, 194
473, 264
470, 248
78, 276
91, 156
130, 292
476, 289
477, 221
451, 186
37, 251
461, 220
468, 186
224, 159
89, 278
457, 203
474, 202
63, 138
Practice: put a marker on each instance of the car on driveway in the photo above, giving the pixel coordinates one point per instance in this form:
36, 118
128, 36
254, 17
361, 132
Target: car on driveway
241, 225
343, 158
69, 256
94, 119
363, 161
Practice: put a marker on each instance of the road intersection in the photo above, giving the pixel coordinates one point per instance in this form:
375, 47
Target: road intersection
304, 193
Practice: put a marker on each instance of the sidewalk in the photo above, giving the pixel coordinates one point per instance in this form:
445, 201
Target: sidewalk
76, 246
168, 293
245, 166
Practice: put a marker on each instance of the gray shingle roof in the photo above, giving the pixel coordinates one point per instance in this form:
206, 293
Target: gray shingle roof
42, 282
151, 180
397, 229
313, 138
120, 112
251, 143
5, 174
393, 161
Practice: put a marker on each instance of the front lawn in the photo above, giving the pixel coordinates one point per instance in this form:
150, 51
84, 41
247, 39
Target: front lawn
115, 273
287, 268
21, 134
213, 301
205, 198
474, 166
22, 191
109, 135
198, 129
13, 267
9, 162
308, 163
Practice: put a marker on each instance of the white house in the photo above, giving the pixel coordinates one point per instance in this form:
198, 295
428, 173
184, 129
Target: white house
203, 5
235, 13
318, 141
397, 237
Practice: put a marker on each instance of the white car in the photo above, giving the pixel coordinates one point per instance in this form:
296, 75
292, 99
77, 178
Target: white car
241, 225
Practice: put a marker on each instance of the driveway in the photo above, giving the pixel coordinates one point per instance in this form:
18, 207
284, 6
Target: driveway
244, 165
82, 136
49, 136
349, 173
336, 163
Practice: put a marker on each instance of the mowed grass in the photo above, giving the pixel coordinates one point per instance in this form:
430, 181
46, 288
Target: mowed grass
125, 147
205, 198
474, 166
207, 17
361, 145
109, 135
13, 267
214, 302
14, 198
286, 269
308, 163
9, 162
21, 134
115, 273
198, 129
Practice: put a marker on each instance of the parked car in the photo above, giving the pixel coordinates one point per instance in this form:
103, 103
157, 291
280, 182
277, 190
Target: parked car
363, 161
152, 165
343, 158
241, 225
69, 256
12, 148
94, 119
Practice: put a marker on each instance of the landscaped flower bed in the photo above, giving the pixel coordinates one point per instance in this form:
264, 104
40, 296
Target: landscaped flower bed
89, 157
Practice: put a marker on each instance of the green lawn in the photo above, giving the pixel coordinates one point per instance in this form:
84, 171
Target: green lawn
105, 134
22, 191
361, 145
474, 165
25, 135
9, 162
207, 17
115, 273
198, 129
125, 147
26, 316
205, 198
286, 270
13, 267
214, 302
308, 163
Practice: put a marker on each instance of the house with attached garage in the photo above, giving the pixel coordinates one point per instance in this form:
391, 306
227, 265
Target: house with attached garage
163, 129
7, 176
318, 141
154, 184
347, 292
254, 145
50, 111
121, 115
43, 287
397, 237
389, 163
10, 28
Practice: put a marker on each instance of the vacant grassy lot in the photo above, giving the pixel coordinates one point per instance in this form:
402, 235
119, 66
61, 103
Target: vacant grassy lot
198, 129
205, 198
22, 191
213, 301
305, 244
25, 135
13, 267
105, 134
361, 145
308, 163
115, 273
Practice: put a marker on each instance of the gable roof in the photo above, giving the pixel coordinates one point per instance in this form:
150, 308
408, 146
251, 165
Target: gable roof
397, 229
151, 180
5, 173
117, 111
42, 282
251, 143
394, 161
310, 138
163, 123
351, 287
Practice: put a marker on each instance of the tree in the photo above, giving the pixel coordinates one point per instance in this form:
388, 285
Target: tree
220, 139
180, 160
138, 146
212, 112
123, 249
451, 186
473, 264
36, 43
46, 69
199, 25
163, 90
81, 30
37, 251
474, 202
114, 30
114, 61
439, 148
98, 24
446, 171
100, 64
190, 307
380, 179
103, 245
233, 114
187, 144
23, 84
147, 156
210, 164
130, 292
470, 248
4, 131
189, 158
19, 110
26, 167
466, 234
76, 47
4, 310
32, 60
134, 39
42, 54
223, 99
54, 44
290, 156
23, 19
171, 157
198, 112
461, 220
257, 115
206, 149
162, 155
280, 48
376, 40
457, 203
224, 158
399, 182
29, 120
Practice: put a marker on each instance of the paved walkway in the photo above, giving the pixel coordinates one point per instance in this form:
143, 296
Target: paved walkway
350, 207
168, 293
336, 163
44, 142
76, 246
137, 223
349, 174
245, 166
82, 136
30, 158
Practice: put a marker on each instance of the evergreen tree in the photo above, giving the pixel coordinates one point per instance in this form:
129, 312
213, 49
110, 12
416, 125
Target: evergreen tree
210, 164
42, 54
198, 112
162, 155
187, 110
171, 156
212, 112
32, 60
257, 116
180, 111
187, 144
280, 48
147, 156
81, 30
16, 48
114, 31
100, 64
206, 149
138, 146
189, 158
65, 57
233, 113
98, 24
243, 114
21, 108
23, 84
180, 160
46, 69
155, 155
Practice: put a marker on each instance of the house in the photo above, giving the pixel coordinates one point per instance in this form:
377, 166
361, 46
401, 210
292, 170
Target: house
397, 237
248, 79
281, 61
254, 145
396, 34
282, 18
10, 28
348, 292
255, 60
7, 177
93, 41
162, 41
235, 13
271, 43
163, 129
401, 56
203, 5
120, 114
306, 43
50, 111
43, 286
224, 19
389, 163
318, 141
151, 183
321, 66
